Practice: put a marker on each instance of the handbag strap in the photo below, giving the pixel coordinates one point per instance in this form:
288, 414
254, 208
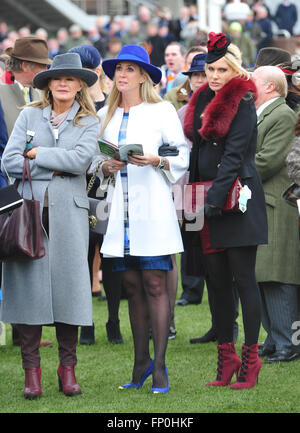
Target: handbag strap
26, 170
92, 180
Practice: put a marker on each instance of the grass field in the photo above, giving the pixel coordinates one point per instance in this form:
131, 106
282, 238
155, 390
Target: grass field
104, 366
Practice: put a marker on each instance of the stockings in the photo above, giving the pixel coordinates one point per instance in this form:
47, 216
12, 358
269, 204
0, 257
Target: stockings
223, 267
149, 305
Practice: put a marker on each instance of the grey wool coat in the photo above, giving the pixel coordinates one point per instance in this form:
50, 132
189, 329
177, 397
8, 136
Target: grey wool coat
57, 287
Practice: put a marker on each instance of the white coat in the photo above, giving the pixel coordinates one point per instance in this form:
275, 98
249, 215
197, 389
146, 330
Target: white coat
153, 224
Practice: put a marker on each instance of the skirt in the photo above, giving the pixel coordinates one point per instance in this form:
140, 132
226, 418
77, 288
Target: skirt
163, 263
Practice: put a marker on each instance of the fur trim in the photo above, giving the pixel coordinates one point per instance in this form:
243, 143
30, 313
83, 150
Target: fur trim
188, 124
219, 113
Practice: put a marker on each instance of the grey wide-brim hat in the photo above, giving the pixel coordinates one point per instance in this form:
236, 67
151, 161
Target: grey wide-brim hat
68, 64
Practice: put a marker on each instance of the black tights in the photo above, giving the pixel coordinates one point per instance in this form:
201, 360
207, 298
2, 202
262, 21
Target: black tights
149, 304
223, 267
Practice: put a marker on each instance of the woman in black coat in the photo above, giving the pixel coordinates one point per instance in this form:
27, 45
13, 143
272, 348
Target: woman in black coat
221, 122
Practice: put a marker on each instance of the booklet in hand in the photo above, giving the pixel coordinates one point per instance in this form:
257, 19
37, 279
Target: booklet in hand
122, 153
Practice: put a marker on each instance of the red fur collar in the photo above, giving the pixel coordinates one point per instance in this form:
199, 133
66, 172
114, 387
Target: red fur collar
220, 111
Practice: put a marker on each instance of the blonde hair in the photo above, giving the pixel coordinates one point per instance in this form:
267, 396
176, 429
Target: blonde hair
233, 58
148, 94
87, 107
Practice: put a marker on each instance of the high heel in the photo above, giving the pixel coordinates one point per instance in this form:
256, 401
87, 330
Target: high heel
67, 381
32, 388
228, 364
162, 390
251, 365
144, 377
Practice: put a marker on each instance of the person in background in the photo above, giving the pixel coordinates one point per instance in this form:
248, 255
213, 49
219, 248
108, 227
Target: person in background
175, 64
180, 95
286, 16
264, 21
244, 42
58, 289
220, 120
143, 245
277, 265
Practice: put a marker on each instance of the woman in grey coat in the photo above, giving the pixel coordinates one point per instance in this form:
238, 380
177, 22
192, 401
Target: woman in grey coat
63, 128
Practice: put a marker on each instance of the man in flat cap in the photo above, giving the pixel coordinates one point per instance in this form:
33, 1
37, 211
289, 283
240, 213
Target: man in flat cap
28, 57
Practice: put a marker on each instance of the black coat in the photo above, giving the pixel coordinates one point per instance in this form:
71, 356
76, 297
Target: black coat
223, 130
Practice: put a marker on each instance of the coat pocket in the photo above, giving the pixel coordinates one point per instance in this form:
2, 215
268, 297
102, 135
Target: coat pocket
81, 202
270, 200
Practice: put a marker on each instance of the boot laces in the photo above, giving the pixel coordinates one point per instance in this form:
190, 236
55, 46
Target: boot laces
220, 364
244, 367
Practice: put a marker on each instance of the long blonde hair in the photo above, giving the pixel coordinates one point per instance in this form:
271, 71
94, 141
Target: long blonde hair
87, 107
148, 94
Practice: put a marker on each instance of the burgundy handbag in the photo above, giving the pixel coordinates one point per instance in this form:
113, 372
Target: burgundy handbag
191, 200
21, 233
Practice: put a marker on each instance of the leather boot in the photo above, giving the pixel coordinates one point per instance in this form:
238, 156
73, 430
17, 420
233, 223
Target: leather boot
32, 388
228, 364
67, 380
113, 332
251, 365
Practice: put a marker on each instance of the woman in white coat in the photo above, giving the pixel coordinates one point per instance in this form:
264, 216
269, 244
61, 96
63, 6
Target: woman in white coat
143, 230
55, 289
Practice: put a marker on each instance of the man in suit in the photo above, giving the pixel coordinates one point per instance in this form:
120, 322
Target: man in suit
277, 263
28, 57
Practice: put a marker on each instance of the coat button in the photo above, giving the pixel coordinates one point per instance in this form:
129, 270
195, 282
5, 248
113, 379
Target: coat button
219, 165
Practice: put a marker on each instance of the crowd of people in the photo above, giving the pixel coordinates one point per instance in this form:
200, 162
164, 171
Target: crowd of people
211, 111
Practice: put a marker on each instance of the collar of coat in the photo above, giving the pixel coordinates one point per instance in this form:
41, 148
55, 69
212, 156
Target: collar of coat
220, 109
271, 107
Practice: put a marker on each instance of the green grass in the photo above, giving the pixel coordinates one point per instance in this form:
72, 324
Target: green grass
104, 366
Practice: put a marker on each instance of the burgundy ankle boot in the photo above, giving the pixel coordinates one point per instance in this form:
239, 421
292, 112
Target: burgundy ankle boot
67, 380
228, 364
32, 388
251, 365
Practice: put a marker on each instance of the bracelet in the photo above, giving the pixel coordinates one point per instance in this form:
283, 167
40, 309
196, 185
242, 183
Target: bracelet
162, 163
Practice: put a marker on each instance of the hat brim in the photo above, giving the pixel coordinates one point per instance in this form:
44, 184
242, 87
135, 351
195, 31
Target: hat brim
40, 60
190, 71
109, 67
41, 79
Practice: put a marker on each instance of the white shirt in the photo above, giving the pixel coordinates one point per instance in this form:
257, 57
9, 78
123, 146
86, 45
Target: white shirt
265, 105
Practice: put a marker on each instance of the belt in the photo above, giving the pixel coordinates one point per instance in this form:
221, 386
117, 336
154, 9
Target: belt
63, 174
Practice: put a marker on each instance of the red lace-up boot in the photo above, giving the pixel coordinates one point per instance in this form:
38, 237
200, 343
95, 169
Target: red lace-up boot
67, 380
251, 365
228, 364
32, 388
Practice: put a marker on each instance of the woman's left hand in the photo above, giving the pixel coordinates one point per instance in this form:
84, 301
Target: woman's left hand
146, 159
31, 154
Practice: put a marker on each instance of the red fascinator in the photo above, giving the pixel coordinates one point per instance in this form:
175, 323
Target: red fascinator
217, 46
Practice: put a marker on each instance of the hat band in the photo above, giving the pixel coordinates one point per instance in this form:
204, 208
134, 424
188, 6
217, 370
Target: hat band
28, 57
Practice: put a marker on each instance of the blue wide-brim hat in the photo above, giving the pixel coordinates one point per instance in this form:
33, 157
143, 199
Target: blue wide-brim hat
67, 64
198, 64
135, 54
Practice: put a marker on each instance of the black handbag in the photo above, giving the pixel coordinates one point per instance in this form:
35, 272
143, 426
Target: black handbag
21, 233
292, 194
99, 210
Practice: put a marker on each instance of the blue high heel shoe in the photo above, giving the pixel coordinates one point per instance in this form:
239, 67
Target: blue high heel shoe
140, 384
162, 390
